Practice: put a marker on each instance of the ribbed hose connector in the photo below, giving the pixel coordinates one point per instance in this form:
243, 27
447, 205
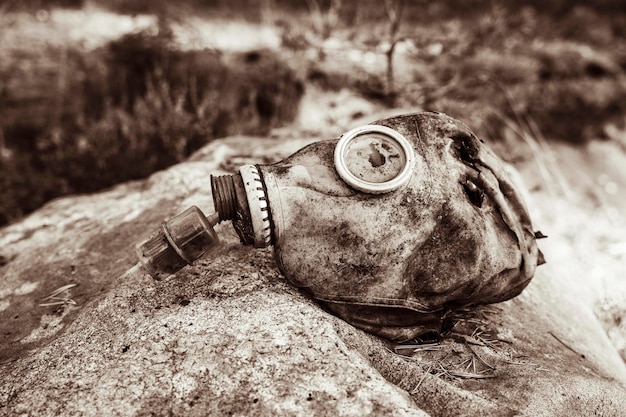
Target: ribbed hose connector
224, 196
258, 205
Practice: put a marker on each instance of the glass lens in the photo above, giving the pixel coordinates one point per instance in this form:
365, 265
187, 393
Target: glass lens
374, 157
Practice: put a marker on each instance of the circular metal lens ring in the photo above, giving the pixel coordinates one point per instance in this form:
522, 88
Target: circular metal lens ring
341, 162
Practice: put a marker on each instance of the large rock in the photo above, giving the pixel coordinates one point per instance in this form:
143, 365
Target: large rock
229, 336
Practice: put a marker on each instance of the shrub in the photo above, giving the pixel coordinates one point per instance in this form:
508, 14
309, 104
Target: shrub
122, 112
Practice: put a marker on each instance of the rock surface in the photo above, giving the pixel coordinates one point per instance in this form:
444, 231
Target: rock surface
229, 336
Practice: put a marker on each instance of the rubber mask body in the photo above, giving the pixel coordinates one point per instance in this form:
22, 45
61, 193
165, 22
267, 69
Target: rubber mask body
457, 234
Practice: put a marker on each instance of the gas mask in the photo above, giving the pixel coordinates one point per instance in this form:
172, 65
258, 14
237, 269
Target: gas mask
389, 227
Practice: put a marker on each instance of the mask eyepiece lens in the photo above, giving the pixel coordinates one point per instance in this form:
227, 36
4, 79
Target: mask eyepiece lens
374, 159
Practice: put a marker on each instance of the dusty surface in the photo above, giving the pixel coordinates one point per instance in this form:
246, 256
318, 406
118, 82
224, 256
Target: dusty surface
408, 256
230, 336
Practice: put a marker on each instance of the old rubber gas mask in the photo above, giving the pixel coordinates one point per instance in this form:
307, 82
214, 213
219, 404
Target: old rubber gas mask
389, 227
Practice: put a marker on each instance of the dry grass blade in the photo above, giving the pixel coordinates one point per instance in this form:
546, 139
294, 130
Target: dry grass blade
58, 303
480, 358
490, 342
418, 347
470, 375
536, 151
60, 290
548, 153
60, 296
473, 367
470, 340
486, 310
529, 132
566, 345
443, 369
414, 390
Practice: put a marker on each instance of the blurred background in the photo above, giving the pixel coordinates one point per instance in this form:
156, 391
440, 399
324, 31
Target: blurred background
93, 93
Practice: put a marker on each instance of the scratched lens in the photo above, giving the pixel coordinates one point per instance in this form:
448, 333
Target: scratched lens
374, 157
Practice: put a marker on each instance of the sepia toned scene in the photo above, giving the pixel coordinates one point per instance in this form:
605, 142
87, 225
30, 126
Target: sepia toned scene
312, 207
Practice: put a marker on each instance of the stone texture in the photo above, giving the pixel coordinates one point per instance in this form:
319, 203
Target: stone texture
229, 336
